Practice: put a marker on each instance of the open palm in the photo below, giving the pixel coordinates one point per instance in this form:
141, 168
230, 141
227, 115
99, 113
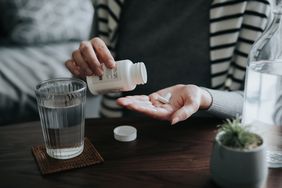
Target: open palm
185, 101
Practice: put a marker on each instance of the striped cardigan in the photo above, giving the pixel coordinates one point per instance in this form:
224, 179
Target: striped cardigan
234, 26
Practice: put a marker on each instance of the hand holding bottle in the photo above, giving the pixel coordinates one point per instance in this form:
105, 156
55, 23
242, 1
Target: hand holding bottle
87, 60
185, 100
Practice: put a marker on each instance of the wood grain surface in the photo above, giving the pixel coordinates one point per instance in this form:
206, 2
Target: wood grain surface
162, 156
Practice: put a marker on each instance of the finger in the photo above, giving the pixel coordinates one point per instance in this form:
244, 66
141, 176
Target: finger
89, 56
123, 101
149, 110
77, 57
154, 99
164, 94
103, 53
145, 107
138, 100
72, 67
182, 114
139, 97
134, 104
153, 111
139, 104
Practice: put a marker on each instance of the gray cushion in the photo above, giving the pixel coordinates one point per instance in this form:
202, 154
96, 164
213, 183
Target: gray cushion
41, 21
21, 69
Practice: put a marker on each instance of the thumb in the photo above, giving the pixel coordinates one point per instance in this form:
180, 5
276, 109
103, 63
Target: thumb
182, 114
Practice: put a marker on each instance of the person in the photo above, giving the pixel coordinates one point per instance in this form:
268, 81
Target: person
205, 43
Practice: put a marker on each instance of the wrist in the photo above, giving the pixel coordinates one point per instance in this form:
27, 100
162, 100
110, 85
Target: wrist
206, 99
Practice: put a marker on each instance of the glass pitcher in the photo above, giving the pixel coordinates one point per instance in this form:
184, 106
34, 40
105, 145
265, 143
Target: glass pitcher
263, 88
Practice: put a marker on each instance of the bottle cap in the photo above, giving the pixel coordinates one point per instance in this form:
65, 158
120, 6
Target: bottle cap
139, 73
142, 72
125, 133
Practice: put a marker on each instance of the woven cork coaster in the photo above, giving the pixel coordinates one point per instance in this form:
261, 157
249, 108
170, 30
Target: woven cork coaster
48, 165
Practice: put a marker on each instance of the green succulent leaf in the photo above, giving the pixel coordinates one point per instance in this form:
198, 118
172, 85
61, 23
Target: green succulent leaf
237, 135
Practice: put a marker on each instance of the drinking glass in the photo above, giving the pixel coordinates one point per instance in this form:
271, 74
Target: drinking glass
61, 105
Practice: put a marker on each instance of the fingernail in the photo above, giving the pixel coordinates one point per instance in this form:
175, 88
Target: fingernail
89, 72
174, 121
125, 102
112, 64
99, 72
76, 72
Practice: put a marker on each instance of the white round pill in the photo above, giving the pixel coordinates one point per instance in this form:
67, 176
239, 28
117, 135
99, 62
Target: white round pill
125, 133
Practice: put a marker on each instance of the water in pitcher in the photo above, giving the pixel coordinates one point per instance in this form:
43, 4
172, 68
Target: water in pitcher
263, 106
63, 129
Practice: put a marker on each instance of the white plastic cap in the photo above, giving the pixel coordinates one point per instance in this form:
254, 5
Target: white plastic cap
139, 73
125, 133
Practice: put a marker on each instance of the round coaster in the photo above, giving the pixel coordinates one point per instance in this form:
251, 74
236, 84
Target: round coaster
125, 133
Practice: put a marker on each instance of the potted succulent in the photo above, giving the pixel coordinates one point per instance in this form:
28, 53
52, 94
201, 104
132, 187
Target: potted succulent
239, 157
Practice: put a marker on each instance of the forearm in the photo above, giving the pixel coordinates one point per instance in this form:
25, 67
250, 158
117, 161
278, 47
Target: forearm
226, 104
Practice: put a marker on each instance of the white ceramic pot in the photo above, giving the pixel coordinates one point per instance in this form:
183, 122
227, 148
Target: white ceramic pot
236, 167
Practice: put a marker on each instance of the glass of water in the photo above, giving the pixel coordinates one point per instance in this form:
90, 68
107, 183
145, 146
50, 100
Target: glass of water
61, 105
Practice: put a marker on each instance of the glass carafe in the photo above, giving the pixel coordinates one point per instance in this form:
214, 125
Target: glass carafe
263, 88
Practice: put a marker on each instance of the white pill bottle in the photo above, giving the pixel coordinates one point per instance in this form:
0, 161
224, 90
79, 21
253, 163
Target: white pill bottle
124, 77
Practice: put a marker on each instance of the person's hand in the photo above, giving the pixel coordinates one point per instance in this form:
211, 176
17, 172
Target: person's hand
185, 100
88, 59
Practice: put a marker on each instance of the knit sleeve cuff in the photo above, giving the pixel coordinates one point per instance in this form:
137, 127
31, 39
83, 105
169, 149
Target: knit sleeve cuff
226, 104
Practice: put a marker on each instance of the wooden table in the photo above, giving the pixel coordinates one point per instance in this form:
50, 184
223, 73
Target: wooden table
162, 155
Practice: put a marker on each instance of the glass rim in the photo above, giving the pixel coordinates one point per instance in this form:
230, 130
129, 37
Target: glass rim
44, 82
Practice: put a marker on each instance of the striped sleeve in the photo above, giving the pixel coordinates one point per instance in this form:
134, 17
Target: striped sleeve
108, 15
234, 26
109, 108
